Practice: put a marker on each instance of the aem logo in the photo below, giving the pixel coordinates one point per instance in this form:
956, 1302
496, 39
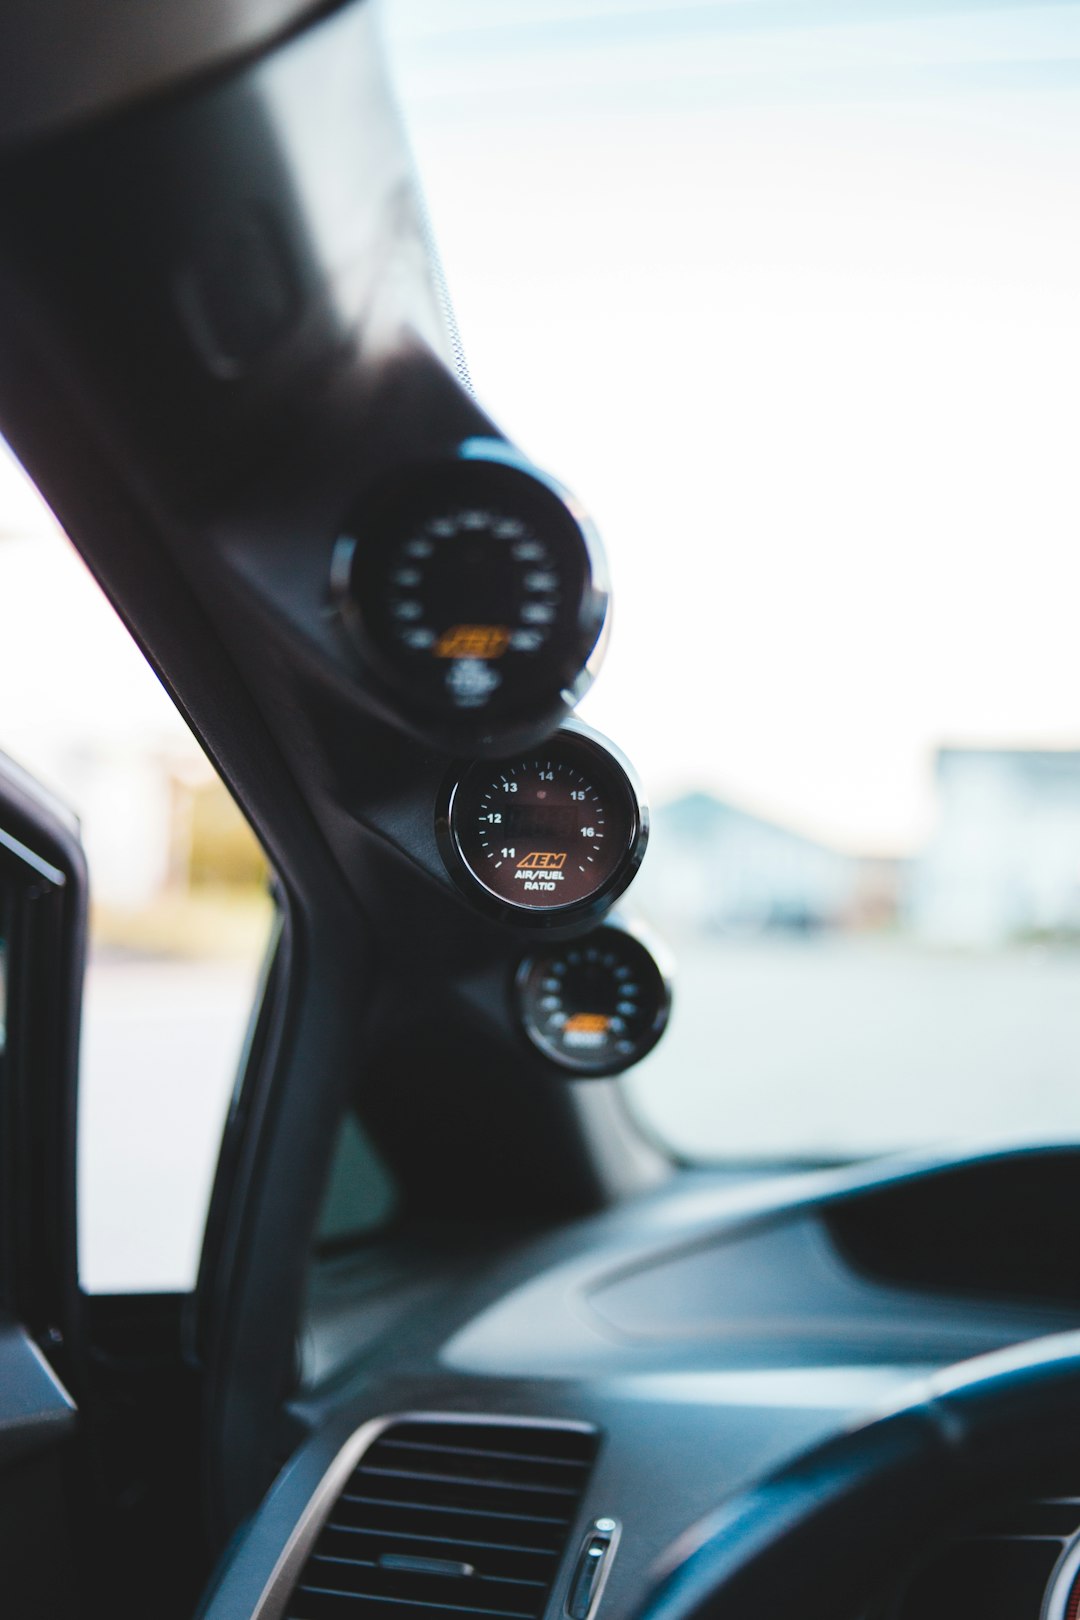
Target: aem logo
545, 862
583, 1023
473, 641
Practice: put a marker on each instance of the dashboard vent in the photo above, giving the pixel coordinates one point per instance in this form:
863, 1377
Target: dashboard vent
471, 1519
998, 1567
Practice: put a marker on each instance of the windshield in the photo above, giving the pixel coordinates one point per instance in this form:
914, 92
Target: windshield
787, 294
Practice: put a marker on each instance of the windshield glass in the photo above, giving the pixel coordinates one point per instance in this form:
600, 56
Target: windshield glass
787, 294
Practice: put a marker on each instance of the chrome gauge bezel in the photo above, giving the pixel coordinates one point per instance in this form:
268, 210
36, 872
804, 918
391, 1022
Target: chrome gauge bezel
600, 754
481, 470
582, 1068
1063, 1582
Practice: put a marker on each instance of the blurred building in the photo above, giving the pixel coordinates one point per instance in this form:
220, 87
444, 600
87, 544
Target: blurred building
1004, 860
717, 868
82, 711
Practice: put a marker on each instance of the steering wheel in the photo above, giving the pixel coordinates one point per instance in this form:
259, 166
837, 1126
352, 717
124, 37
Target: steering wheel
817, 1539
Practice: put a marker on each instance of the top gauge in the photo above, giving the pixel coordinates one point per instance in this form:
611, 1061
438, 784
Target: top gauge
476, 593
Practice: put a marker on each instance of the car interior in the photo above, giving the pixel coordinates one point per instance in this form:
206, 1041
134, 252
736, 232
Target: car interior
533, 1365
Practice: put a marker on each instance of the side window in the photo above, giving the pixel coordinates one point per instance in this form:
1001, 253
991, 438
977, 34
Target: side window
181, 913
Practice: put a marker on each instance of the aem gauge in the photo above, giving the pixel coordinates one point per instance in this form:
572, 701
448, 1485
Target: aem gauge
547, 836
476, 593
597, 1005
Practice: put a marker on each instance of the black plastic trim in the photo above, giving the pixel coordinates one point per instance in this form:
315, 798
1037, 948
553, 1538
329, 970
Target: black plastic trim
45, 896
63, 62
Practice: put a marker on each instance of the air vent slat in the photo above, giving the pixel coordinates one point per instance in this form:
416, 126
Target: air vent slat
518, 1439
414, 1603
373, 1579
996, 1566
443, 1541
494, 1564
1039, 1517
494, 1456
473, 1483
468, 1518
436, 1507
514, 1580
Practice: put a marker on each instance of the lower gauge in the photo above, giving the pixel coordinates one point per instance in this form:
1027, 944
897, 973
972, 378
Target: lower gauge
595, 1006
547, 836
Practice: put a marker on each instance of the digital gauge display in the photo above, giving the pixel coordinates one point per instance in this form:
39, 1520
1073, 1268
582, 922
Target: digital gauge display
597, 1005
476, 591
554, 831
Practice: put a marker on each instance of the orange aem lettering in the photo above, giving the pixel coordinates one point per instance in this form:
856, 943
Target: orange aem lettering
538, 860
473, 641
587, 1024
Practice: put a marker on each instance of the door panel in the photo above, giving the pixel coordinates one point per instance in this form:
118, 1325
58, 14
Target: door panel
43, 891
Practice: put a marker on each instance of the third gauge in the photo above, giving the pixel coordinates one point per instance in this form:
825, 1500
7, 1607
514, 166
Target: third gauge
597, 1005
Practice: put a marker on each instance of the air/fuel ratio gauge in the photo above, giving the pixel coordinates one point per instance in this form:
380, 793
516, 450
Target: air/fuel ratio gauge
548, 835
475, 593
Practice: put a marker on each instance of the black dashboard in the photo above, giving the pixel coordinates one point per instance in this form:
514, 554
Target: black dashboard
705, 1333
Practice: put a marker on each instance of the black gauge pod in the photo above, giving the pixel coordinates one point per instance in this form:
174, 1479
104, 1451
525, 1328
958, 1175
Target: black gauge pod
598, 1004
546, 836
475, 593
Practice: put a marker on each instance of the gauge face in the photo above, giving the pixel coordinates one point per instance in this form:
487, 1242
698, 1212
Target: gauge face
551, 831
475, 590
595, 1006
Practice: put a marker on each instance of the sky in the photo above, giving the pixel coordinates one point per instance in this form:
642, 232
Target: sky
787, 294
785, 291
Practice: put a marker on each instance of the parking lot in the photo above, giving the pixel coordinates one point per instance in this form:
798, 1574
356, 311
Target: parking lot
825, 1046
849, 1045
